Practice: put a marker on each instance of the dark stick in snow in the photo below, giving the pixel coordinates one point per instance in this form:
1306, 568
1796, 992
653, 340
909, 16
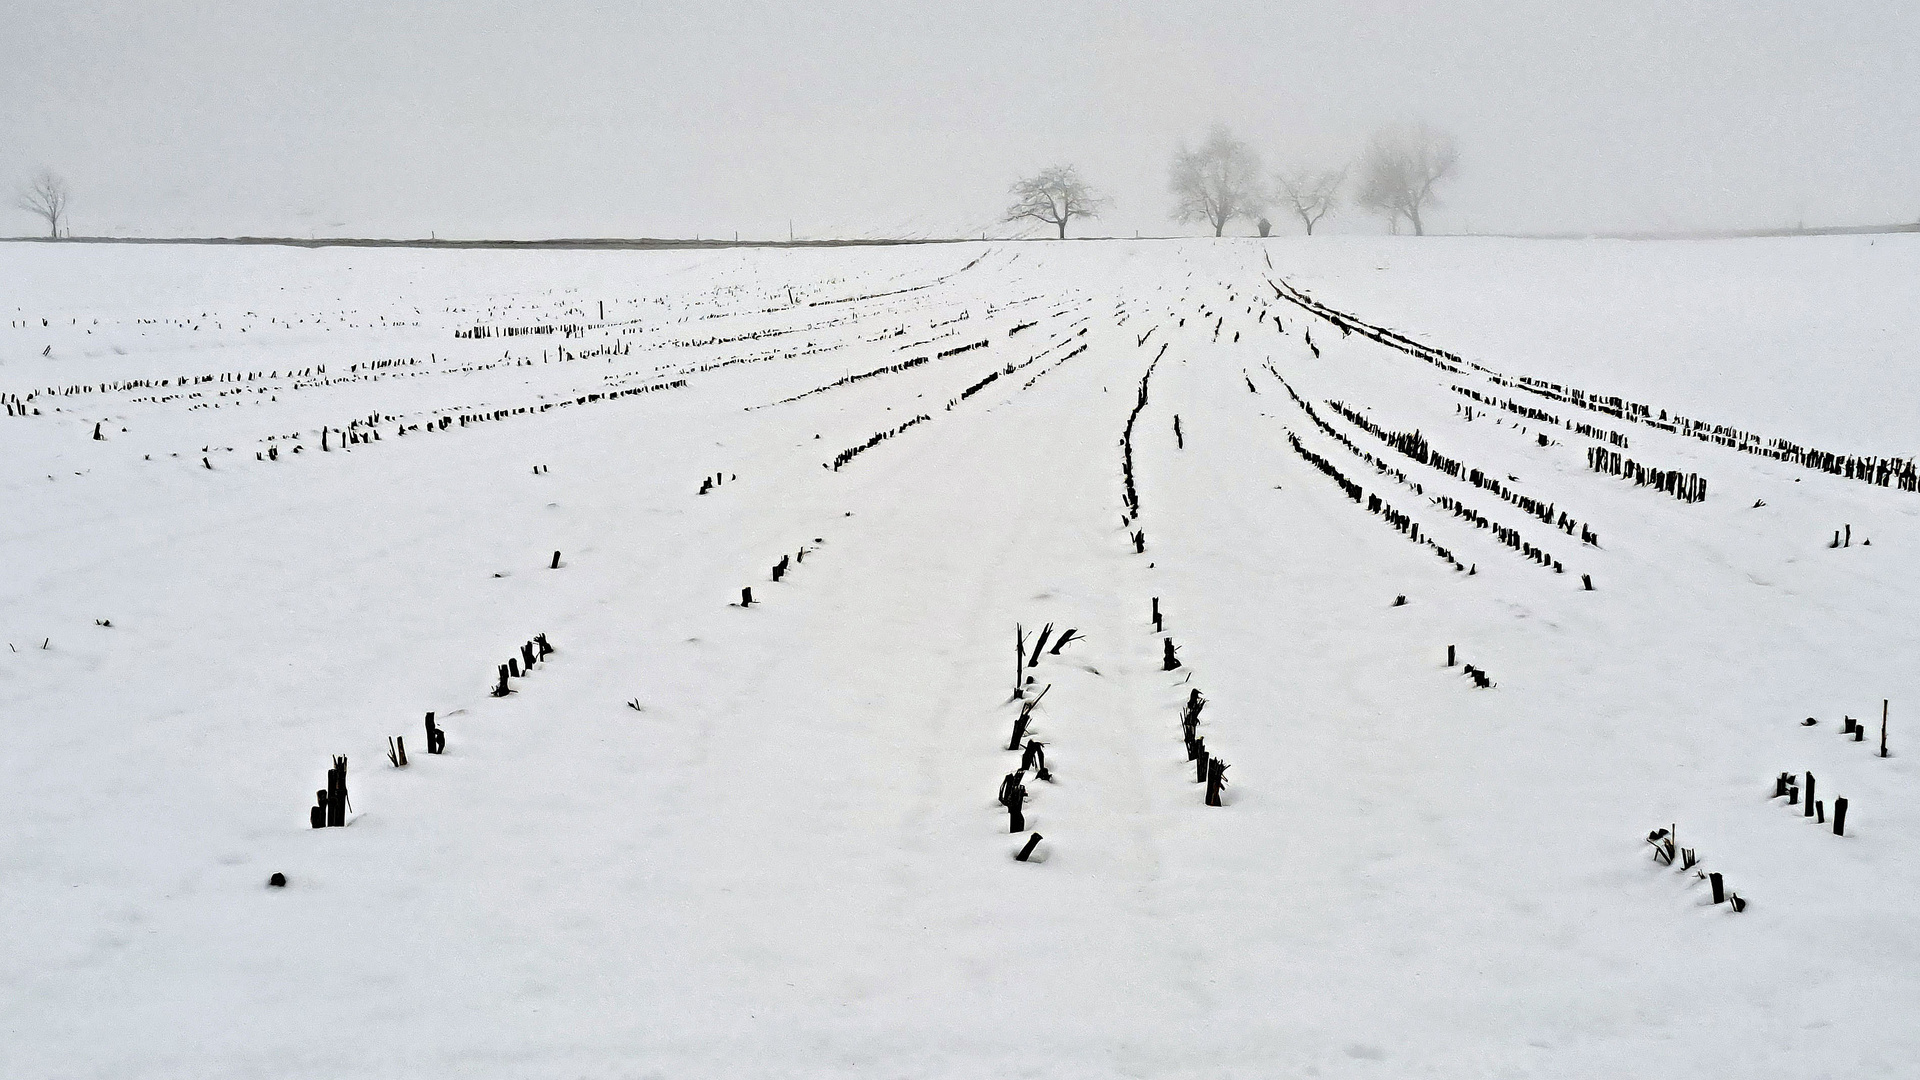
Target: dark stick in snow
1019, 658
1035, 758
1039, 644
336, 793
1216, 779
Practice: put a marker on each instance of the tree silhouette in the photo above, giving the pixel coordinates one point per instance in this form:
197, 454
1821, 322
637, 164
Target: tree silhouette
1310, 195
1216, 183
1055, 196
45, 196
1400, 168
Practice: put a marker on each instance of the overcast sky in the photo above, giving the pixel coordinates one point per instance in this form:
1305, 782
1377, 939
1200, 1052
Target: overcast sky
522, 118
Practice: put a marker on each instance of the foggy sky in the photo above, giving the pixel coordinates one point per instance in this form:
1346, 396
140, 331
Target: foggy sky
520, 119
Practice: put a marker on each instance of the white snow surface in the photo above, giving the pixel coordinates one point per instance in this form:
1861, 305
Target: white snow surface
789, 861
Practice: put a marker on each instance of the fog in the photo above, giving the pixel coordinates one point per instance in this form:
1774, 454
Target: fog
492, 119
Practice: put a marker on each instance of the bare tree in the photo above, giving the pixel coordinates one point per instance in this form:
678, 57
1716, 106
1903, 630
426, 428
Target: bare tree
1056, 196
1218, 182
45, 196
1399, 170
1310, 195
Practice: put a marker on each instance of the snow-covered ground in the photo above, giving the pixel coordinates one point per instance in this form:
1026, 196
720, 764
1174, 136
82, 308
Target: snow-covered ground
785, 857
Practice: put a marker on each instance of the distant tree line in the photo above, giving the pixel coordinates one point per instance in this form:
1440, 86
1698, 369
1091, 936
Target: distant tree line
1217, 183
1221, 181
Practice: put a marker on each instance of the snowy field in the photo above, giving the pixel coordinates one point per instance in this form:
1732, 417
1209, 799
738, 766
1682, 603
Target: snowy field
707, 840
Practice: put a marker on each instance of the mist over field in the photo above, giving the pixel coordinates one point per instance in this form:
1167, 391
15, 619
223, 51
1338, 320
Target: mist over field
504, 120
446, 635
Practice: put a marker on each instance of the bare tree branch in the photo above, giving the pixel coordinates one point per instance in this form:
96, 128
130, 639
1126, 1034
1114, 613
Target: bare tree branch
1216, 183
1056, 196
1310, 195
45, 197
1400, 168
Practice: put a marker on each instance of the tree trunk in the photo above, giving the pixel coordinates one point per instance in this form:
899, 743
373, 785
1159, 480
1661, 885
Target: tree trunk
1063, 229
1414, 215
1218, 227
